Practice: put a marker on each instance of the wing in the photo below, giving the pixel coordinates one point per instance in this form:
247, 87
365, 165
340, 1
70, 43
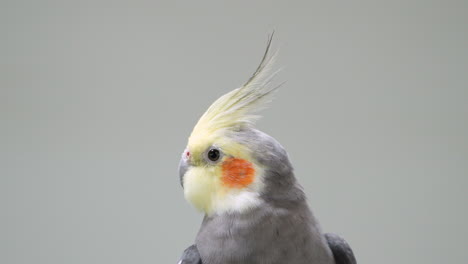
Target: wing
341, 250
190, 256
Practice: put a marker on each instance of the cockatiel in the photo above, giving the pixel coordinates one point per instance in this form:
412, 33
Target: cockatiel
242, 179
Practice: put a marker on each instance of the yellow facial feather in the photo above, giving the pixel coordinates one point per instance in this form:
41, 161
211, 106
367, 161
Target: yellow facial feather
204, 189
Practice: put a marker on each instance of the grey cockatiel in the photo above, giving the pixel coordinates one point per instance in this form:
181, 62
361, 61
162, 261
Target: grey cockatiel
242, 179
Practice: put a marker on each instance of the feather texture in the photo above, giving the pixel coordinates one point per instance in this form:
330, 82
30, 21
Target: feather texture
238, 107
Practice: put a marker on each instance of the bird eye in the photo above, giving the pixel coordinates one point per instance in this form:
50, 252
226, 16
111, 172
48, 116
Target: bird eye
213, 154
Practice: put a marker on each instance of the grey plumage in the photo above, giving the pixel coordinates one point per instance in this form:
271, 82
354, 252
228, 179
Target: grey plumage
190, 256
342, 252
282, 230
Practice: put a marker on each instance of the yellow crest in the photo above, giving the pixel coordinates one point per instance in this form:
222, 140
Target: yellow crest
236, 109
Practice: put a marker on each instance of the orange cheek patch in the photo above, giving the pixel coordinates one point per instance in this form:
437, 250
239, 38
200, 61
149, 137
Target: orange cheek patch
237, 173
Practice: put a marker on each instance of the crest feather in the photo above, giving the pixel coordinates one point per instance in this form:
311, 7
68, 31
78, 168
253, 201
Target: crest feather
237, 108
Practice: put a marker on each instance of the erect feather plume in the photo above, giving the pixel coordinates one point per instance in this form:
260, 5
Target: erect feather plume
237, 108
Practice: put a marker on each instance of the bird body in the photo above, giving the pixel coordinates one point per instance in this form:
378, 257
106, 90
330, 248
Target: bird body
241, 178
269, 234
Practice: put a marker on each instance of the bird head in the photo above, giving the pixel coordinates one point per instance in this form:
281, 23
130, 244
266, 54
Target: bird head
228, 165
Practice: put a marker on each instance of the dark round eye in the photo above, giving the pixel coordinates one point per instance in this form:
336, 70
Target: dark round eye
213, 154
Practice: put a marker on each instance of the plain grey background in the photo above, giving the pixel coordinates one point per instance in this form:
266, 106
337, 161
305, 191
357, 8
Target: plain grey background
98, 99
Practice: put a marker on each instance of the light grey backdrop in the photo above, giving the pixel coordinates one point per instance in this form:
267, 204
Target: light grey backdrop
98, 99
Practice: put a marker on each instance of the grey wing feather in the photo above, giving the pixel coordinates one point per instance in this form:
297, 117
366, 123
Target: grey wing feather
341, 250
190, 256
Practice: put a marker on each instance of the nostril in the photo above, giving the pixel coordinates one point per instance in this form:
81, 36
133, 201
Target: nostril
187, 154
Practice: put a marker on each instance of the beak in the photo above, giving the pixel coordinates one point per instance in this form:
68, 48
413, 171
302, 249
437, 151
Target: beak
184, 165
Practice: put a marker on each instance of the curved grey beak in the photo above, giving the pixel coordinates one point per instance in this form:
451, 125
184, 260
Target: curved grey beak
183, 167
